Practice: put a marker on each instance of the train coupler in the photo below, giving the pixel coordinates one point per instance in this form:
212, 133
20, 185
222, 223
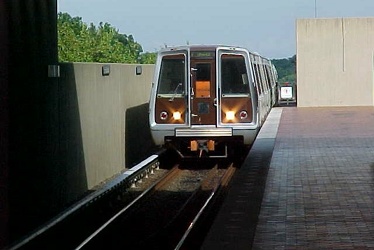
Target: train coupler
202, 145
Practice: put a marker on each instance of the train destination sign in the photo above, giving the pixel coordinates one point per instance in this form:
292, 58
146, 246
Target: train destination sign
203, 54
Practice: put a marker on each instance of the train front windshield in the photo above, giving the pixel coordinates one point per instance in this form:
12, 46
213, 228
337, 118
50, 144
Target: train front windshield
172, 75
234, 75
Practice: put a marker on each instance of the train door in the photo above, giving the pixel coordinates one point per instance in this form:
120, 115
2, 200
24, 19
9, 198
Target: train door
203, 92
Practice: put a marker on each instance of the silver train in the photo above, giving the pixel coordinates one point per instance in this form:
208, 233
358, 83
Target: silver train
210, 100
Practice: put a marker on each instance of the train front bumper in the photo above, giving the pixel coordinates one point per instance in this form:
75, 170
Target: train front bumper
203, 132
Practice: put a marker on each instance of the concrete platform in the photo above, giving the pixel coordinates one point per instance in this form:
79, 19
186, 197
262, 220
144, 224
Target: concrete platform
310, 187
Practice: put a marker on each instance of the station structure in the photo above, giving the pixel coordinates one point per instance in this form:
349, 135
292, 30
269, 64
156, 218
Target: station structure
307, 182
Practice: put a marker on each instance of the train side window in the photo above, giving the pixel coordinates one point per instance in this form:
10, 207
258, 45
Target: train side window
259, 84
262, 77
234, 77
172, 76
266, 78
254, 73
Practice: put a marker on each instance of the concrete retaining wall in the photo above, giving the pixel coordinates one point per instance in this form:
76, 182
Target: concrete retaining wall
102, 102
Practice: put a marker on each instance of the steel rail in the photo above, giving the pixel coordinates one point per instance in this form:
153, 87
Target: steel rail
222, 183
126, 178
171, 174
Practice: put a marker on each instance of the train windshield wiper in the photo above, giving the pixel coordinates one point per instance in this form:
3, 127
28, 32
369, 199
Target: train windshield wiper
175, 92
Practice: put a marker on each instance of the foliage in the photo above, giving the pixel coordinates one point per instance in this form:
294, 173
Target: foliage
78, 42
286, 69
148, 58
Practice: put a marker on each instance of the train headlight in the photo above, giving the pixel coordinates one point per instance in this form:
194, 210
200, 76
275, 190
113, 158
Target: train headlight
163, 115
243, 114
230, 115
177, 115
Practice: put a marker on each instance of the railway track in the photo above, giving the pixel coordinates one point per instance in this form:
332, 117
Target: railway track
77, 222
167, 214
148, 205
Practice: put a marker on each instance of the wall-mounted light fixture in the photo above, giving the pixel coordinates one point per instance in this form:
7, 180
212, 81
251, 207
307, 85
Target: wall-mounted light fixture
105, 70
138, 70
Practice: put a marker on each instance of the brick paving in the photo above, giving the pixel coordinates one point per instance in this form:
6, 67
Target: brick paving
319, 192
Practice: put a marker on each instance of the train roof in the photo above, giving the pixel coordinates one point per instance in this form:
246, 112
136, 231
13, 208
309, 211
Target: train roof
208, 47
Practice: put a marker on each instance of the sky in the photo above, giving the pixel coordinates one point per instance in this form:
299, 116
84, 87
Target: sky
266, 27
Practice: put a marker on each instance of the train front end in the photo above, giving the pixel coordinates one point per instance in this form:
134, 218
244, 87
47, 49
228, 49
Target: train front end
203, 101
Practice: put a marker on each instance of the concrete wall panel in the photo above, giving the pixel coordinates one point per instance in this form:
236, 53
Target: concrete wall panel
103, 101
335, 62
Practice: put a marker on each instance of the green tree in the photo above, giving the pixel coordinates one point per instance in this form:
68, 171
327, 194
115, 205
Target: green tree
78, 42
286, 69
148, 58
74, 40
